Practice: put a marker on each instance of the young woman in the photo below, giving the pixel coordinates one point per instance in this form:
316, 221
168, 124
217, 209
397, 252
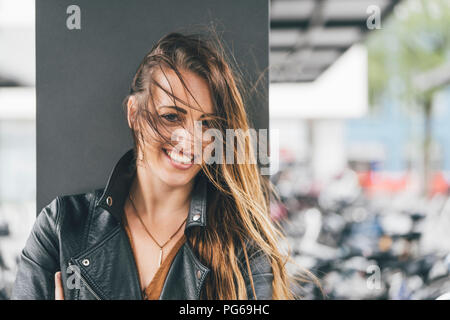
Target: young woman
167, 225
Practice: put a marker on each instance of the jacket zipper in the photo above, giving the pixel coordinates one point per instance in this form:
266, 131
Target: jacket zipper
85, 282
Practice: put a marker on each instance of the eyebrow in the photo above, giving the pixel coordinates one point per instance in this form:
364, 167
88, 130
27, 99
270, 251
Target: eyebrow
174, 107
185, 112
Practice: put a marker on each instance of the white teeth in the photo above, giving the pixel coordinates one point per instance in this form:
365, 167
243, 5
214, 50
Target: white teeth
179, 157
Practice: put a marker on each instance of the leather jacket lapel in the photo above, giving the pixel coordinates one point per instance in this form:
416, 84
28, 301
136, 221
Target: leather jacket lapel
189, 285
108, 269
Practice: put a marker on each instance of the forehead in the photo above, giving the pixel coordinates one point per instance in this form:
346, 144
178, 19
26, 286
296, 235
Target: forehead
198, 87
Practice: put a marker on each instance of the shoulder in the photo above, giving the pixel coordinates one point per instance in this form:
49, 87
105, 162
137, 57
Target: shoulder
69, 210
77, 208
80, 203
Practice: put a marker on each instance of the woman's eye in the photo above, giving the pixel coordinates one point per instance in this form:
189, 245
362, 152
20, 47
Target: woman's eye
171, 117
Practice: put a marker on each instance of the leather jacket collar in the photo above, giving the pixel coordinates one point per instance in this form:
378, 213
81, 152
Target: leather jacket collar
118, 186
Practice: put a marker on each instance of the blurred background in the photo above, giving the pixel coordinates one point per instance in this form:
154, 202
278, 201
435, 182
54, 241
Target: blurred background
359, 97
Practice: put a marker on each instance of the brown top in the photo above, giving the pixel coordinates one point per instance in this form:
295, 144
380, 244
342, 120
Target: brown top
153, 290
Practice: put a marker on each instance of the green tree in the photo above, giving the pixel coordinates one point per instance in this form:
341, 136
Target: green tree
414, 41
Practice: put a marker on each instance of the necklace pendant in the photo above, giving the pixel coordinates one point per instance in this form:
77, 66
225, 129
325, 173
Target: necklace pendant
160, 256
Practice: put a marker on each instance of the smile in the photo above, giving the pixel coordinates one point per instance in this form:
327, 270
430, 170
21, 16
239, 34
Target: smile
178, 160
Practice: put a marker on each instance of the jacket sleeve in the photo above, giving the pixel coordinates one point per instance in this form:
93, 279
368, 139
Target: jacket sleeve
261, 271
39, 259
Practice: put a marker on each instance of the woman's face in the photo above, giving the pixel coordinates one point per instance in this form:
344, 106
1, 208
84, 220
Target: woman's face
174, 164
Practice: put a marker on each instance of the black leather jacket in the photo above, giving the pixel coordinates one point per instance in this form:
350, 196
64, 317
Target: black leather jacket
82, 235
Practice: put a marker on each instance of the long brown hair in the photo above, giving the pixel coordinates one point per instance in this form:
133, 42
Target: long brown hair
239, 196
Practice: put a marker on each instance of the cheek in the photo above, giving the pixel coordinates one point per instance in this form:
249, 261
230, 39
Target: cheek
153, 152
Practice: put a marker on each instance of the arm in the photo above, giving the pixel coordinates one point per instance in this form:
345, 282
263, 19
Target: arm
39, 259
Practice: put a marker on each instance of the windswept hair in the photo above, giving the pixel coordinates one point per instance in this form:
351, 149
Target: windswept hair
239, 196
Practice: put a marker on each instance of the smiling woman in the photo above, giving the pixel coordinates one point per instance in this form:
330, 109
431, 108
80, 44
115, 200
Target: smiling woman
127, 241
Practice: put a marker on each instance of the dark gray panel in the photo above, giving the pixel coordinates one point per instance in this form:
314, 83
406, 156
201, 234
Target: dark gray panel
83, 75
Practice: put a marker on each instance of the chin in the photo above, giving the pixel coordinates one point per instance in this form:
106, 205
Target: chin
173, 179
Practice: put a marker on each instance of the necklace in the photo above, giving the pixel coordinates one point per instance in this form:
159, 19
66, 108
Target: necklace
148, 232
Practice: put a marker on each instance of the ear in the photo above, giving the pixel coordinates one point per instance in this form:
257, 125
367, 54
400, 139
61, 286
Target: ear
131, 110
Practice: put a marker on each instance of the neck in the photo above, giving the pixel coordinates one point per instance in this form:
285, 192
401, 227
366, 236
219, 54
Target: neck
157, 201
